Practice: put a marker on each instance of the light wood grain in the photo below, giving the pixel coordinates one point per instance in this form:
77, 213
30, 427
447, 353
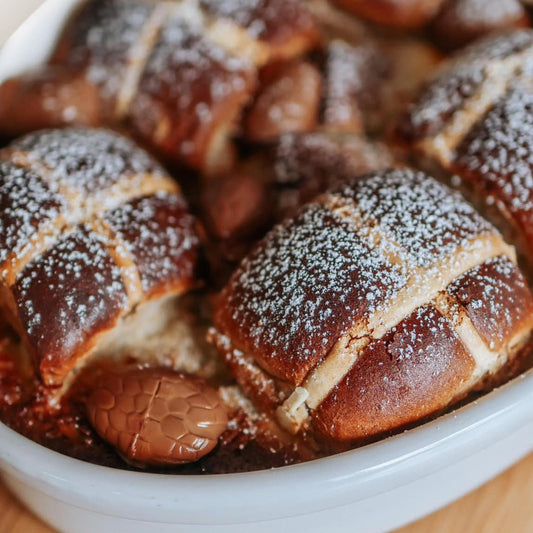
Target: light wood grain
503, 505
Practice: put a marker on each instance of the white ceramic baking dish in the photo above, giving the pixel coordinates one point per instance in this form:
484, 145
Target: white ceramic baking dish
375, 488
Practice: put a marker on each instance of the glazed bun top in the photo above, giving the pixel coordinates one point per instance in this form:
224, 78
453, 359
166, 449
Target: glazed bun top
354, 256
391, 275
475, 121
476, 77
91, 226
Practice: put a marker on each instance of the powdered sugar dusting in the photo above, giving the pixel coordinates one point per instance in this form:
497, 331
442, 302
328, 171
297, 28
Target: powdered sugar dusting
415, 370
498, 151
495, 47
103, 34
67, 295
263, 19
304, 285
186, 82
26, 204
327, 158
182, 59
242, 12
464, 75
424, 217
74, 289
88, 160
159, 233
324, 271
307, 165
489, 12
424, 338
353, 73
446, 95
496, 298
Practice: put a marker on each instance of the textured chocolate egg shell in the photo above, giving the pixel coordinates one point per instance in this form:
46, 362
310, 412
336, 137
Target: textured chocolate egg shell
156, 417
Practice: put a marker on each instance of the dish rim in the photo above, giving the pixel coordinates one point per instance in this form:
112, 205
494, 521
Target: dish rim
329, 482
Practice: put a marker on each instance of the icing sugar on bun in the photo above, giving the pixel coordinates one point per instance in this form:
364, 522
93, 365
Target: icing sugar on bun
377, 305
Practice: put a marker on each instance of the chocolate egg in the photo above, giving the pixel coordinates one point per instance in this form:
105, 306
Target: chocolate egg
155, 417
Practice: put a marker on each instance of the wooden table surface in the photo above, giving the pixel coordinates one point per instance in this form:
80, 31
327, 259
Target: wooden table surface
504, 504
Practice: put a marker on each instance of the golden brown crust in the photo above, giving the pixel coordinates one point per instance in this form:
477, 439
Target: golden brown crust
413, 371
176, 75
91, 227
354, 267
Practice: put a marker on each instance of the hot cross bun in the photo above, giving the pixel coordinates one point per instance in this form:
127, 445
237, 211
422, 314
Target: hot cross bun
377, 305
92, 228
175, 74
475, 121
